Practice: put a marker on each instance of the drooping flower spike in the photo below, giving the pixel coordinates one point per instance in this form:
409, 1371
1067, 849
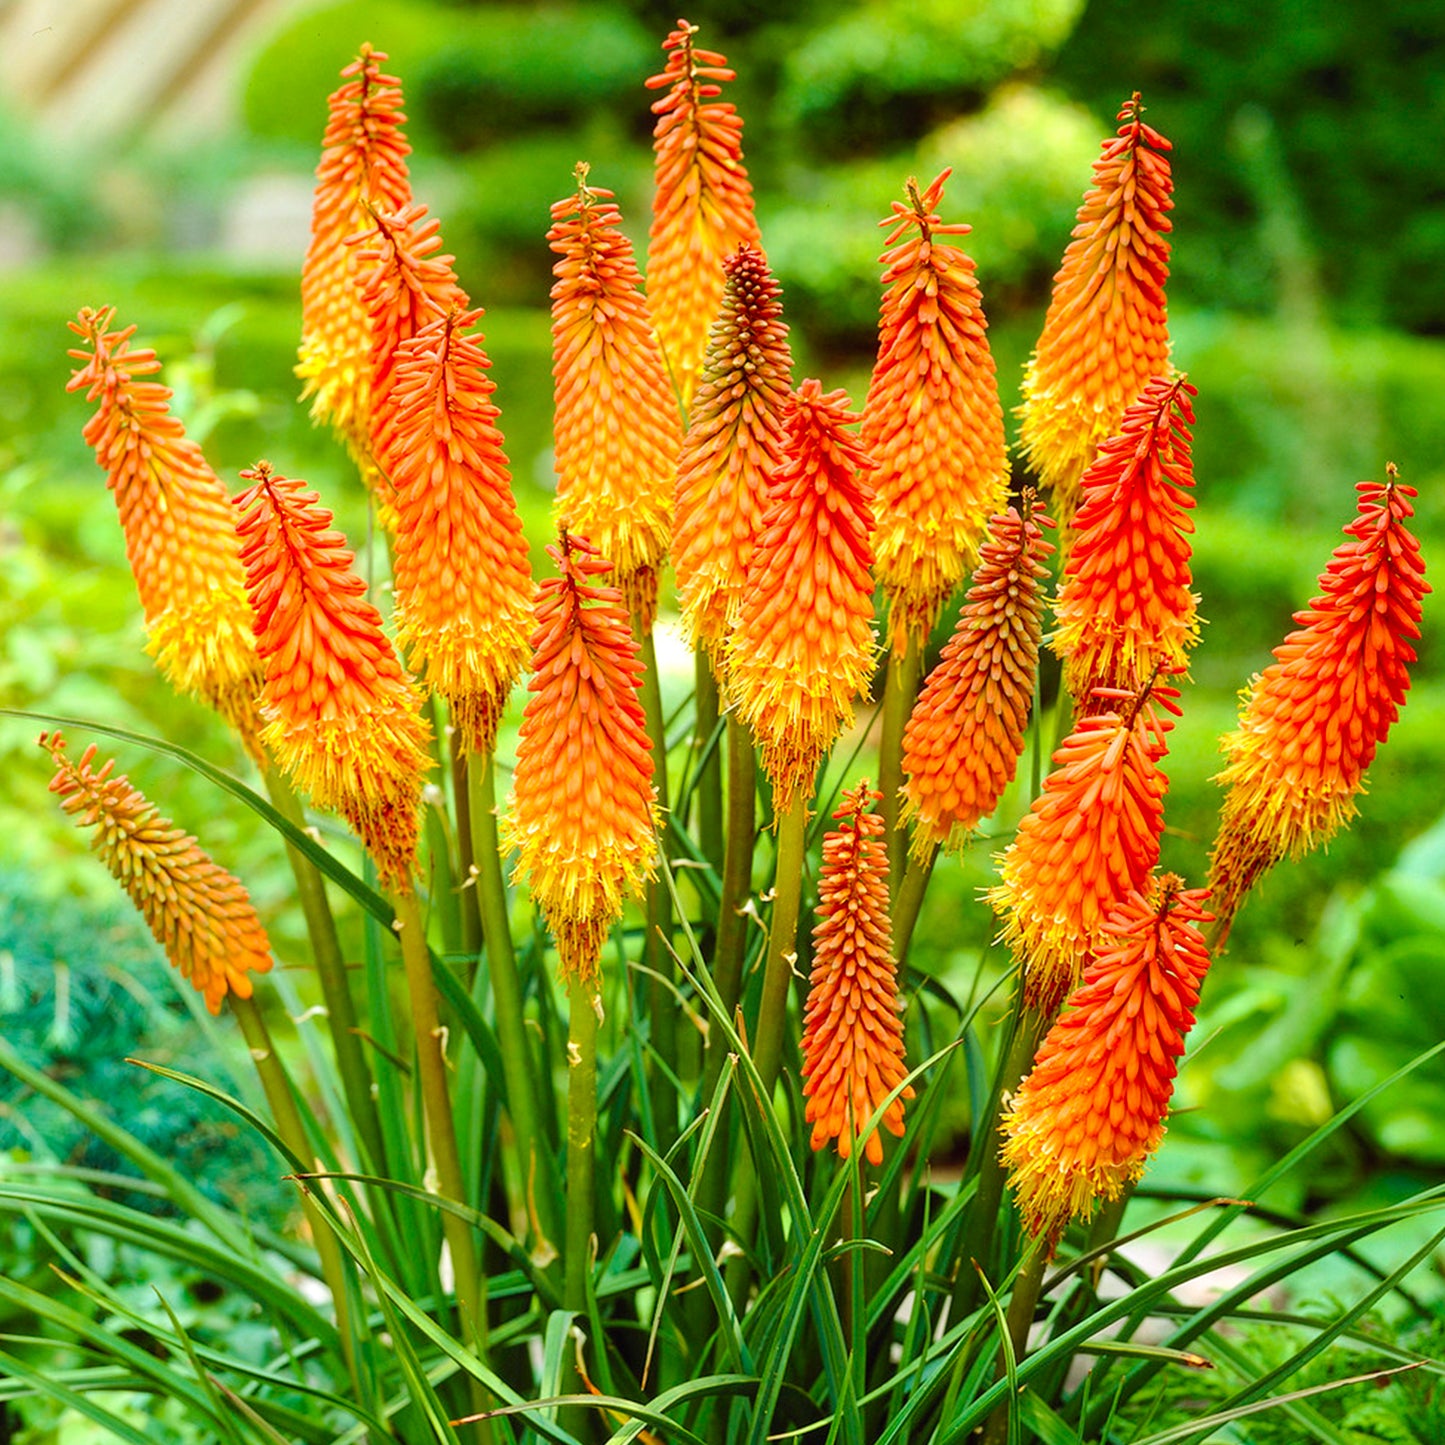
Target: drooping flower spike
616, 428
803, 648
966, 732
932, 420
362, 169
199, 913
853, 1055
702, 208
1090, 1114
1310, 723
734, 442
460, 566
583, 813
342, 718
1124, 605
1090, 838
180, 531
1106, 333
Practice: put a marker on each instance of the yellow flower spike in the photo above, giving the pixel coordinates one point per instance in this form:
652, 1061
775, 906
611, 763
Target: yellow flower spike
616, 429
199, 913
342, 718
702, 208
932, 420
1106, 334
180, 530
803, 648
583, 814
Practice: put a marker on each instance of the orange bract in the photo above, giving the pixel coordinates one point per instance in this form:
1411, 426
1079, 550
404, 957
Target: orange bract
1086, 1119
180, 531
966, 732
702, 207
1124, 605
734, 442
363, 165
583, 810
616, 427
1091, 836
198, 912
803, 647
1310, 724
852, 1034
1106, 333
932, 420
341, 716
463, 578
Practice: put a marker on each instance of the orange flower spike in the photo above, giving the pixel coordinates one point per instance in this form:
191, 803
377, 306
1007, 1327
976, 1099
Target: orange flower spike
180, 532
966, 733
363, 165
342, 718
1124, 605
460, 565
702, 208
803, 647
1091, 836
1090, 1114
198, 912
616, 427
404, 285
583, 814
852, 1034
1106, 334
932, 419
1310, 723
734, 442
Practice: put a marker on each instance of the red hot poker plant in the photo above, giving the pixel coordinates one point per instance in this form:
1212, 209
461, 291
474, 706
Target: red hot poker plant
932, 420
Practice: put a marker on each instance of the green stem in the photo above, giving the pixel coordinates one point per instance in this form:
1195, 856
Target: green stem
1020, 1317
524, 1079
584, 1011
466, 850
908, 899
782, 943
356, 1081
709, 780
899, 691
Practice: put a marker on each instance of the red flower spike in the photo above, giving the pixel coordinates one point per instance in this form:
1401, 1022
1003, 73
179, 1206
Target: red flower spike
803, 647
198, 912
932, 420
1090, 1114
342, 718
702, 208
462, 574
363, 165
1106, 333
1090, 838
853, 1054
180, 532
1124, 605
616, 427
583, 814
966, 732
1310, 723
734, 442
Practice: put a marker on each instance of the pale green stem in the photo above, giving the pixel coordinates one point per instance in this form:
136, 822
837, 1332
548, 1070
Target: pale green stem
584, 1013
908, 899
710, 779
782, 944
1020, 1317
899, 691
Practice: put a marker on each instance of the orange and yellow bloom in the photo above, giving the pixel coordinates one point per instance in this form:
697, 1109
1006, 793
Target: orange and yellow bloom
583, 811
616, 426
853, 1054
1124, 605
180, 531
198, 912
1310, 723
932, 420
702, 208
1106, 334
802, 651
341, 716
1091, 1112
966, 732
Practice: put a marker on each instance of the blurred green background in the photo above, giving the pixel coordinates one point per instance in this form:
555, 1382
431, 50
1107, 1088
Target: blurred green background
1305, 305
